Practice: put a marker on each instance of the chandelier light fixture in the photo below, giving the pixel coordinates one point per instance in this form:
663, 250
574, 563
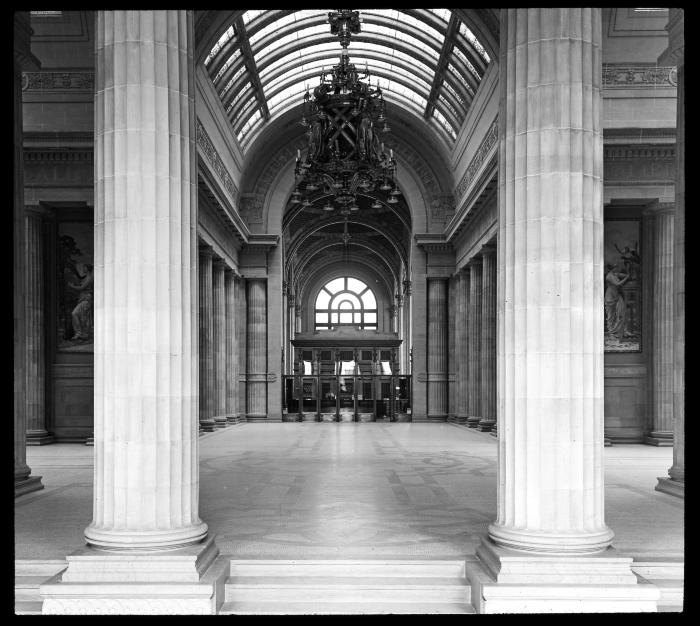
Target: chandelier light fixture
345, 117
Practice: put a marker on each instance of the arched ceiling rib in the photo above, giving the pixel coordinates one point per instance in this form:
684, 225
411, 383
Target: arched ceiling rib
427, 61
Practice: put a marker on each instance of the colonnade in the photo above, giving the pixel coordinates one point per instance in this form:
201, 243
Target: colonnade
219, 320
475, 341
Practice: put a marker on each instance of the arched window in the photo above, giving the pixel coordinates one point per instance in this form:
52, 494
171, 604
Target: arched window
345, 301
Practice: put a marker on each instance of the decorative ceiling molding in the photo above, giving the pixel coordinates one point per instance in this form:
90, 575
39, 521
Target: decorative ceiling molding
490, 139
58, 81
626, 76
212, 156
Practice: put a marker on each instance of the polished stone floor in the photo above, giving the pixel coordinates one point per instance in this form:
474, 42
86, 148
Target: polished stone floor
348, 491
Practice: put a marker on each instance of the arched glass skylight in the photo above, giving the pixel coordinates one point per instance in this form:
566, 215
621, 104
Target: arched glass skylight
400, 48
345, 301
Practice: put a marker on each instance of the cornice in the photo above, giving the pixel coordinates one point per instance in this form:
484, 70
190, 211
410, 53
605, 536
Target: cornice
258, 242
433, 242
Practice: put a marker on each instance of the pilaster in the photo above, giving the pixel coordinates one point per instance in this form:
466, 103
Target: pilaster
256, 375
488, 339
437, 349
230, 288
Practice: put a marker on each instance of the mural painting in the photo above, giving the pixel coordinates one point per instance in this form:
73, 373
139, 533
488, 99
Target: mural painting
75, 287
623, 288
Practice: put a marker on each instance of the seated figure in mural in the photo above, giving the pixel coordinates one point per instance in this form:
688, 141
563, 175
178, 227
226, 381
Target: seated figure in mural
82, 313
615, 307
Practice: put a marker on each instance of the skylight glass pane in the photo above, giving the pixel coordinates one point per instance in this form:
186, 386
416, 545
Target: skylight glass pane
346, 304
369, 302
388, 52
445, 124
384, 31
334, 318
458, 74
297, 54
358, 318
322, 318
465, 60
464, 31
443, 14
405, 18
445, 103
452, 90
356, 285
318, 29
219, 44
230, 61
323, 299
370, 318
247, 94
249, 16
346, 318
230, 83
336, 285
286, 95
398, 88
246, 127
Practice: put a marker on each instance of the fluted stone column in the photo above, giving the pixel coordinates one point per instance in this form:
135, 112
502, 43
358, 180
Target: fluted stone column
474, 339
675, 54
549, 541
488, 338
241, 334
463, 397
437, 349
550, 295
37, 434
459, 332
146, 485
231, 364
256, 392
662, 323
219, 343
24, 482
206, 340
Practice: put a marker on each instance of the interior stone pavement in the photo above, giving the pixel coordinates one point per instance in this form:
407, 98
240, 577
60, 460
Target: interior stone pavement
348, 491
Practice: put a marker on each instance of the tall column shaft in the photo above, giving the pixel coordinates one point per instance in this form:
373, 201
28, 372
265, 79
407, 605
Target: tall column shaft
488, 339
34, 315
474, 339
550, 291
463, 411
675, 54
231, 372
219, 346
459, 348
146, 479
437, 348
257, 349
24, 483
662, 324
241, 334
207, 401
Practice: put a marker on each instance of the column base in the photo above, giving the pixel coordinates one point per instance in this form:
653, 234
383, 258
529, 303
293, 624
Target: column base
507, 581
234, 419
256, 417
670, 486
494, 430
486, 426
40, 439
659, 438
207, 425
435, 417
90, 441
98, 582
473, 421
27, 485
220, 421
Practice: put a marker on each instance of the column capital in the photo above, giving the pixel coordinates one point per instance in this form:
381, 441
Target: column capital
488, 249
659, 208
206, 250
475, 261
219, 263
37, 210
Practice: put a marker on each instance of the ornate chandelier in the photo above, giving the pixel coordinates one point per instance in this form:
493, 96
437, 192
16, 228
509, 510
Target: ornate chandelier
345, 155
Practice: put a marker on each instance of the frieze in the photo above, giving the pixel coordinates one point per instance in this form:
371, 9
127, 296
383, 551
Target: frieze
61, 81
44, 155
638, 76
490, 139
205, 143
639, 152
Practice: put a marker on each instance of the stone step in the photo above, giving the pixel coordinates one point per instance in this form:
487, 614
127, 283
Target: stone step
344, 608
320, 589
348, 568
24, 607
29, 575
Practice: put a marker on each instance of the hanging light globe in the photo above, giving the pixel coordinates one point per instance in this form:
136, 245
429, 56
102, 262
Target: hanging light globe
376, 204
394, 192
354, 207
391, 200
328, 206
385, 186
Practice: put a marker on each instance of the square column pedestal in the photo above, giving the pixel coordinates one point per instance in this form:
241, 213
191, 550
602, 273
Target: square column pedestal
183, 581
509, 581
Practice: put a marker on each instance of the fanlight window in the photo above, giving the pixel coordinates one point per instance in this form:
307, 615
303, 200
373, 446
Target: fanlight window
345, 301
